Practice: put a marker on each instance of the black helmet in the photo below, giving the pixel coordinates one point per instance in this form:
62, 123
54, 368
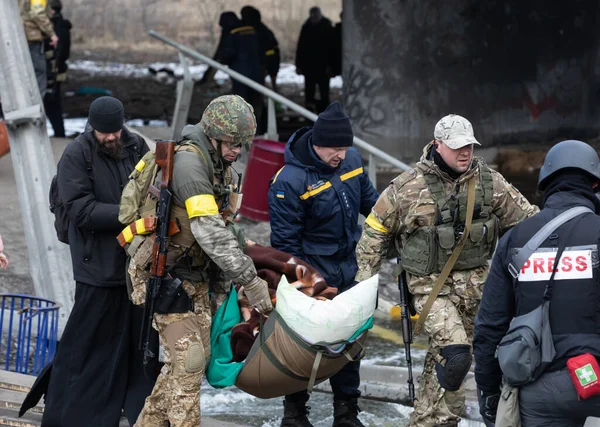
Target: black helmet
571, 154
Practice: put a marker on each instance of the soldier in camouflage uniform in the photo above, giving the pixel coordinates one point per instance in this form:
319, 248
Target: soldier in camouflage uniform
422, 213
35, 16
204, 251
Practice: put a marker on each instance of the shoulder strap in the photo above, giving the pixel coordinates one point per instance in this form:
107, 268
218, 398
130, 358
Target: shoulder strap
487, 185
87, 152
530, 247
202, 152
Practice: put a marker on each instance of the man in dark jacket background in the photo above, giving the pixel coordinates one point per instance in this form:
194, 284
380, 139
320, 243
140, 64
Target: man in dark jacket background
314, 203
242, 51
312, 58
56, 67
268, 43
97, 370
568, 178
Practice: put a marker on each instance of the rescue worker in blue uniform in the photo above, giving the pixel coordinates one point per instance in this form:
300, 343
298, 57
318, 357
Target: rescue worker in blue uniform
314, 203
569, 178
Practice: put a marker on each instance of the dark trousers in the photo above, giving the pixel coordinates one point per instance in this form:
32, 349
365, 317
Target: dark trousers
98, 370
310, 83
552, 401
54, 109
38, 58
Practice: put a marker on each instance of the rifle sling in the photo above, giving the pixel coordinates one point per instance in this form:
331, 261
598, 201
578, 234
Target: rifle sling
451, 261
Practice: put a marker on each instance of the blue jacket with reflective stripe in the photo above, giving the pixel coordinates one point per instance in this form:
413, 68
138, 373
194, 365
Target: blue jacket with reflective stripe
314, 208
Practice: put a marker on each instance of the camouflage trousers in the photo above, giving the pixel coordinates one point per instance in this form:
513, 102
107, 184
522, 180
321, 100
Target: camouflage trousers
450, 321
175, 399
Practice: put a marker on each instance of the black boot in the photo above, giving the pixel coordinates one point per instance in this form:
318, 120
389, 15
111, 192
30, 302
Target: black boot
295, 414
345, 413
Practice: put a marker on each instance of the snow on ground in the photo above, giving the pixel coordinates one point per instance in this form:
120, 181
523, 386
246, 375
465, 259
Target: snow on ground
286, 76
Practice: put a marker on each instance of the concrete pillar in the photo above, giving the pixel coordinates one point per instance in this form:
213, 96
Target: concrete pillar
518, 73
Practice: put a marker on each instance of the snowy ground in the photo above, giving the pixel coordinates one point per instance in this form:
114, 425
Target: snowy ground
286, 76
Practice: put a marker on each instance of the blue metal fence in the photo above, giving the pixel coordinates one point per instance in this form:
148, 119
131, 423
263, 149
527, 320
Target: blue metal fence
29, 332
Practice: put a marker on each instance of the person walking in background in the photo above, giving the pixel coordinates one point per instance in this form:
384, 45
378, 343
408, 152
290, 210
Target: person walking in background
243, 53
227, 21
336, 52
267, 41
3, 258
57, 57
312, 59
36, 20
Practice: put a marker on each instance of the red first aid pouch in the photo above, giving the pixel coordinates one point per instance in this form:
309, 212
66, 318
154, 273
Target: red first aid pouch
585, 374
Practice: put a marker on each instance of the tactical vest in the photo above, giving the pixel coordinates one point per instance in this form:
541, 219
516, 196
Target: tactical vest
138, 206
426, 250
184, 241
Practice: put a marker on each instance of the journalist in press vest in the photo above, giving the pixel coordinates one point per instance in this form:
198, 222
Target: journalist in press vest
543, 370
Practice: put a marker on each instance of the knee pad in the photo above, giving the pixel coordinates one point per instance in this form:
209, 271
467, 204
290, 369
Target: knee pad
195, 360
458, 362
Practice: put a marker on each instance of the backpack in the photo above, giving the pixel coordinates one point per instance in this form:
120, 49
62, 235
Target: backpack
57, 207
136, 190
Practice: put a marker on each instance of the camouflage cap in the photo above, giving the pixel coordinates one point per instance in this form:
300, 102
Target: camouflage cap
455, 131
229, 118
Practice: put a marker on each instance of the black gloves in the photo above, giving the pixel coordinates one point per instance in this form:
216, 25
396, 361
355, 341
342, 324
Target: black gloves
488, 405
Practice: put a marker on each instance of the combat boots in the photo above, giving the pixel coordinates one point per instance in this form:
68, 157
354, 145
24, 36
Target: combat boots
295, 414
345, 413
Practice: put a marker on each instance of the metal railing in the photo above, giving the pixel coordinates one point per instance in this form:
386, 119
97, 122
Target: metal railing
184, 95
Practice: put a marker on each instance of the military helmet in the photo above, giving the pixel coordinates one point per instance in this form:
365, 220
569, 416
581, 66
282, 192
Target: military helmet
569, 154
229, 118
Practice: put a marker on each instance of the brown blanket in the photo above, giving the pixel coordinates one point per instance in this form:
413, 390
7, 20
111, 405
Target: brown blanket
270, 265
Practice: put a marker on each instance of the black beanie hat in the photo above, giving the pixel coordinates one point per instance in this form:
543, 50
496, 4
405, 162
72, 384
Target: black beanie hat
106, 114
332, 128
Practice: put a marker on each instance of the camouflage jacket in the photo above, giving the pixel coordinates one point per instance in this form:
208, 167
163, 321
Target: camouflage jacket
34, 14
208, 212
407, 204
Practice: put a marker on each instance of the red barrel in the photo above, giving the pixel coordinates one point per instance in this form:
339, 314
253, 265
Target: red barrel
265, 159
4, 145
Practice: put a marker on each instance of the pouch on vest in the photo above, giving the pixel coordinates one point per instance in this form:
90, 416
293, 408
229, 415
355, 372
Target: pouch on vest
136, 189
584, 372
527, 348
508, 414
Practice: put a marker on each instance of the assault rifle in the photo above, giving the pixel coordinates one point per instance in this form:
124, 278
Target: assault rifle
164, 154
407, 335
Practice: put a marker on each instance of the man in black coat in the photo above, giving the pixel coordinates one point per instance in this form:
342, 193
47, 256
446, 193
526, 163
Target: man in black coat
569, 178
56, 67
312, 58
97, 370
242, 51
268, 43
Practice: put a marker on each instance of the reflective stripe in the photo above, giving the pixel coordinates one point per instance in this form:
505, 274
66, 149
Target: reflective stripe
351, 174
375, 224
270, 52
201, 205
316, 191
140, 166
247, 27
140, 226
127, 234
276, 175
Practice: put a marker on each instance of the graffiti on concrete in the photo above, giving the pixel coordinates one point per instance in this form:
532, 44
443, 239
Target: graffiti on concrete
364, 100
